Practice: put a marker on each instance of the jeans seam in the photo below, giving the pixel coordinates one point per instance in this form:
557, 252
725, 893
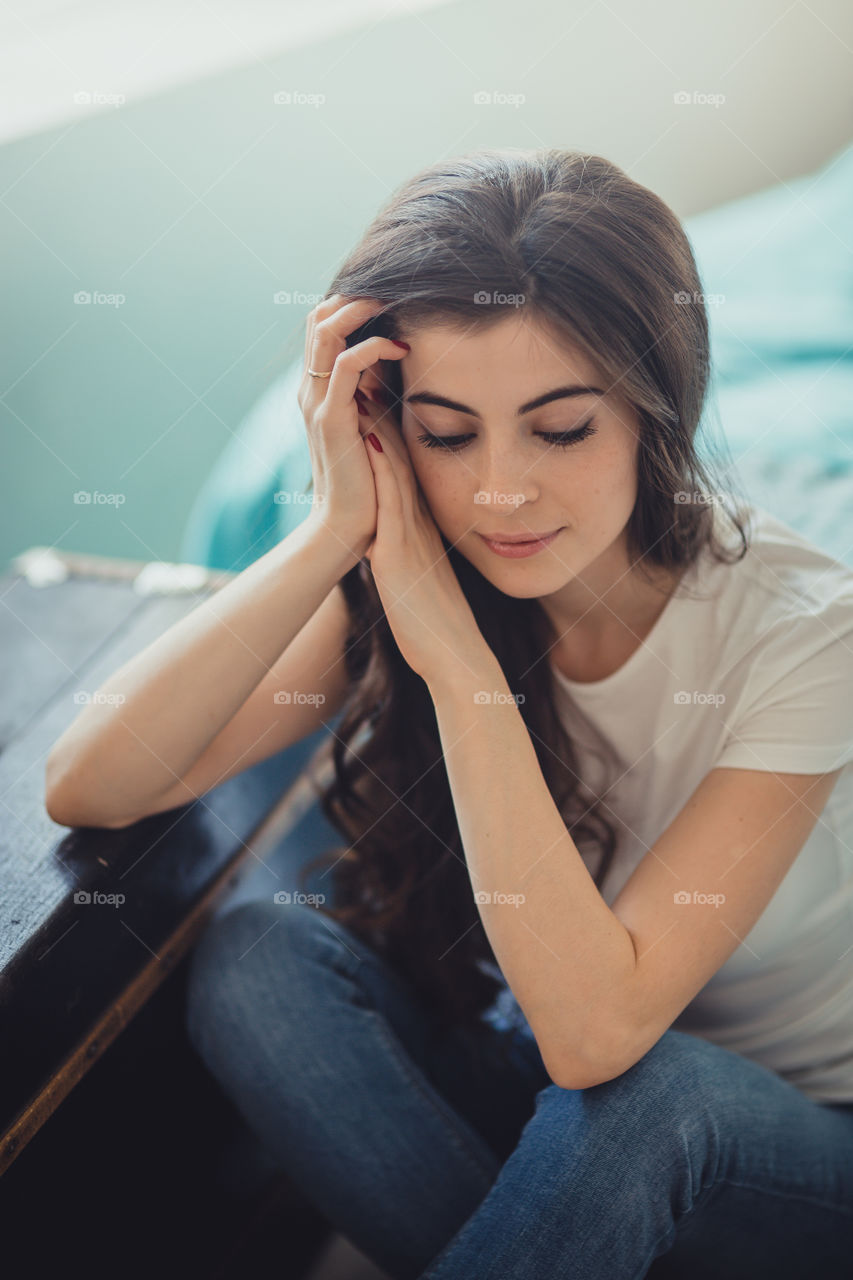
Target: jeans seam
460, 1140
781, 1195
348, 965
745, 1186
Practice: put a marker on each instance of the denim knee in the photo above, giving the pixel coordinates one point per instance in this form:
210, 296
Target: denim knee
685, 1104
243, 955
669, 1111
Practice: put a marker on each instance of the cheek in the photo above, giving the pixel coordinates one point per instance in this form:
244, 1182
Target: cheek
609, 473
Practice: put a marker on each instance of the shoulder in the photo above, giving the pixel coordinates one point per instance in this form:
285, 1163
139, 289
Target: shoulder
785, 591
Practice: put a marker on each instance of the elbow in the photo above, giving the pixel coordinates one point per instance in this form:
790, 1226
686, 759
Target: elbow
599, 1061
584, 1075
55, 800
62, 803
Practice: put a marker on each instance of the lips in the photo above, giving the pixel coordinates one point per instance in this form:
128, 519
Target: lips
517, 537
521, 550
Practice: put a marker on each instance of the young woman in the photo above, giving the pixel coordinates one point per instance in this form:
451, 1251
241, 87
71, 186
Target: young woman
583, 1003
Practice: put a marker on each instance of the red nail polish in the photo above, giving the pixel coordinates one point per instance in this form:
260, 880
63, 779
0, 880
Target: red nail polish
360, 401
374, 440
398, 343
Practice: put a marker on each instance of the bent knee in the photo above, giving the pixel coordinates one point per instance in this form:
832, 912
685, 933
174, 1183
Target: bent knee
242, 955
681, 1085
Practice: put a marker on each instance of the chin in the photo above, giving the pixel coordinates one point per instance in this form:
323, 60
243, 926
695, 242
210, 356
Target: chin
523, 580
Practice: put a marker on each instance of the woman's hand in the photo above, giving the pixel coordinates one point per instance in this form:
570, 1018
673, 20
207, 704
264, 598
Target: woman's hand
336, 417
427, 610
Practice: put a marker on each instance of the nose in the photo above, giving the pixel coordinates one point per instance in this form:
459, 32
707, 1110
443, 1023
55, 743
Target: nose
505, 481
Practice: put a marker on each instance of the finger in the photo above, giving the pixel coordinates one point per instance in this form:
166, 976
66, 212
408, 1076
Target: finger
325, 308
333, 324
391, 512
322, 309
347, 368
403, 470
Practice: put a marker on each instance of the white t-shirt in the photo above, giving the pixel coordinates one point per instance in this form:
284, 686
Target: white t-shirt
772, 634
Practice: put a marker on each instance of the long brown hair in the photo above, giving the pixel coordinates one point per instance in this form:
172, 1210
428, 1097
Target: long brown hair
602, 260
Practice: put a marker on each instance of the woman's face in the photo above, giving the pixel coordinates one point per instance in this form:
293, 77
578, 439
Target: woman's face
503, 477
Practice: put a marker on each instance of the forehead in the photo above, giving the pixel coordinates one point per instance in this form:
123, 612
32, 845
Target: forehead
516, 353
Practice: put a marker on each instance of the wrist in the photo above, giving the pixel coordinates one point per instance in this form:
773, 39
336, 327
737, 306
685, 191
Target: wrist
333, 548
470, 672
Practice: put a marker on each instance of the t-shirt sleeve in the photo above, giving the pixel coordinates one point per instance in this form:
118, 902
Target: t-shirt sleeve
797, 713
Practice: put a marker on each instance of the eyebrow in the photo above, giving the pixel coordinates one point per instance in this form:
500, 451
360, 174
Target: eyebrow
559, 393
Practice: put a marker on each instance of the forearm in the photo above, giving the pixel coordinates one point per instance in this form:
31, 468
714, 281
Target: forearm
156, 714
565, 955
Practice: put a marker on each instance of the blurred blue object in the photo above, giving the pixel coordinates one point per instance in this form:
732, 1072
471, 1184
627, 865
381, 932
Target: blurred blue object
777, 272
251, 499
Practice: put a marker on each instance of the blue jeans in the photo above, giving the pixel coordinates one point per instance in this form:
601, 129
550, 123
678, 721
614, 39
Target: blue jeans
696, 1162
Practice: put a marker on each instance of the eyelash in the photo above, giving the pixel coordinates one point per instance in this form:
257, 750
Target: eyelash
563, 439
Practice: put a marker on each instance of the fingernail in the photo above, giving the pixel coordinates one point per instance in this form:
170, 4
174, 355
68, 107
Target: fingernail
398, 343
374, 440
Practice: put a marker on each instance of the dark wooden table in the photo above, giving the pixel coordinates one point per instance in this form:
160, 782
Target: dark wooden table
76, 969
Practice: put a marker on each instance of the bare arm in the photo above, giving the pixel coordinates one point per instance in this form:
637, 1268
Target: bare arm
117, 760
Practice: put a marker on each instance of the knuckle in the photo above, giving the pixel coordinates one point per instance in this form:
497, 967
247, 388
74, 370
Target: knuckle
325, 324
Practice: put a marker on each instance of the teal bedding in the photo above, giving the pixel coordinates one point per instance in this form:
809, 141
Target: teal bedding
777, 269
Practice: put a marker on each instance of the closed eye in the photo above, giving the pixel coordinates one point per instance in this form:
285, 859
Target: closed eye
563, 439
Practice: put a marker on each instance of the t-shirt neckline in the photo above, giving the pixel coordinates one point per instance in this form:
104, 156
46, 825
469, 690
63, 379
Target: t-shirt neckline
633, 659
